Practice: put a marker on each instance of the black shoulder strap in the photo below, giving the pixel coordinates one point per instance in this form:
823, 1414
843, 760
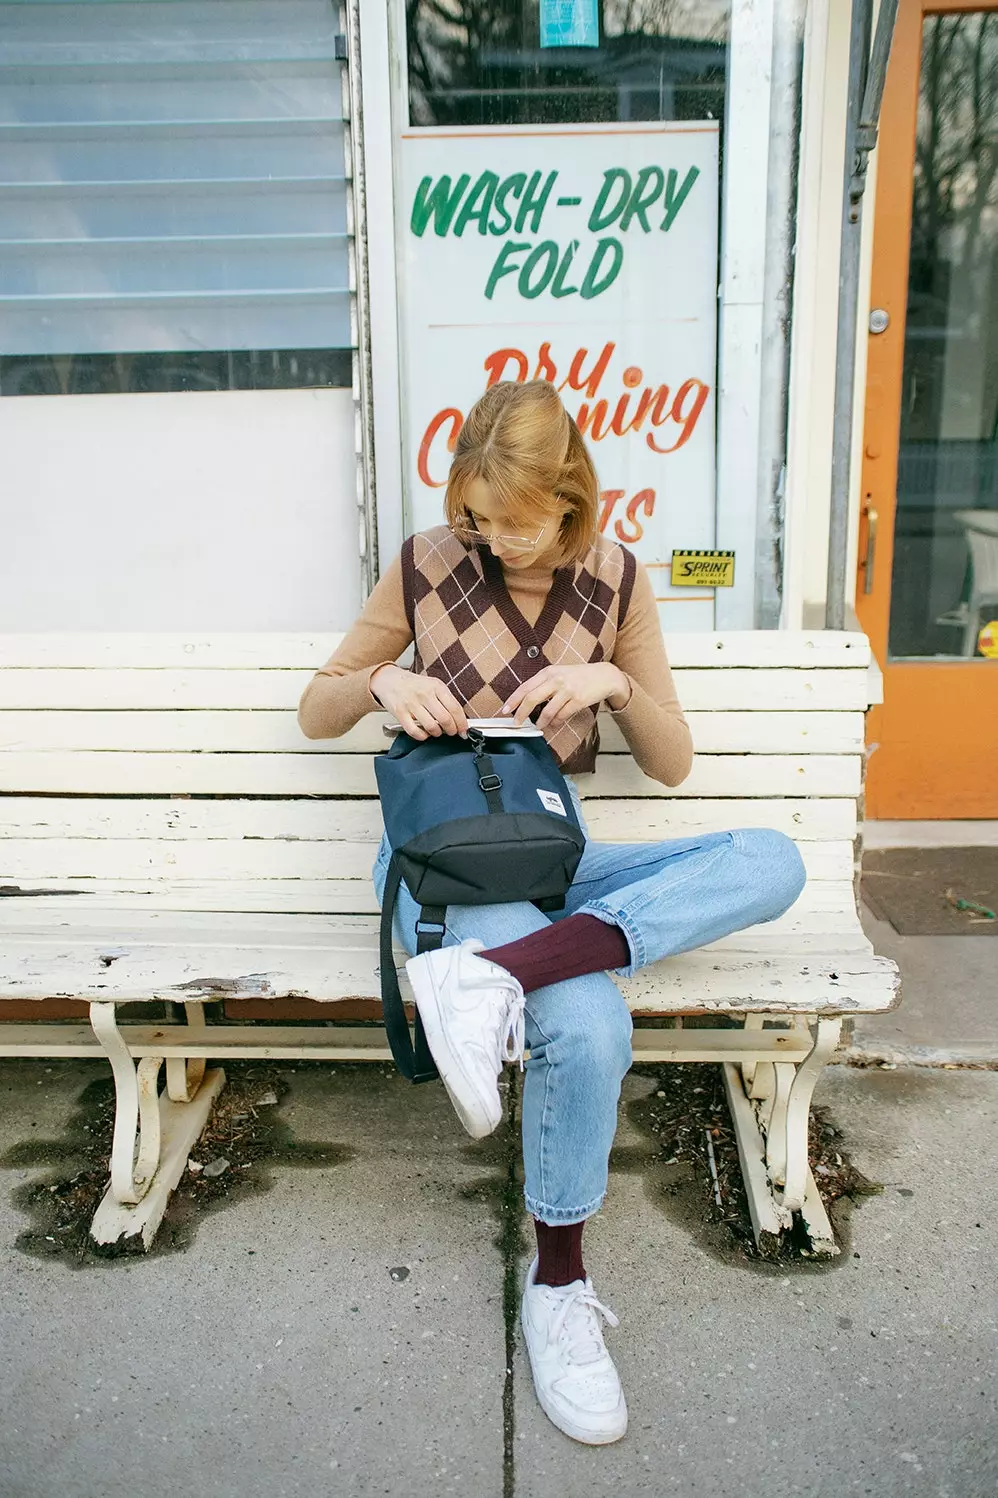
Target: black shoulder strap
413, 1061
489, 781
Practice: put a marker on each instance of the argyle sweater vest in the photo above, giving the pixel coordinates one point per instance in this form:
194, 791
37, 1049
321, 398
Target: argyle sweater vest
469, 633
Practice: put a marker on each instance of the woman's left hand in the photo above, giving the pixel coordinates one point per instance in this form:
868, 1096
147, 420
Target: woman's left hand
567, 690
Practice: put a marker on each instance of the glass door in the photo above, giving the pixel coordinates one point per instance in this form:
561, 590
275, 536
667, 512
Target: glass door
928, 557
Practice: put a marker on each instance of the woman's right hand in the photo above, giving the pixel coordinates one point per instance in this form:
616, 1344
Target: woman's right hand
424, 706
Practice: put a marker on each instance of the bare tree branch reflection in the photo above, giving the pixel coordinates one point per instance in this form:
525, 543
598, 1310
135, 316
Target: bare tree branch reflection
480, 62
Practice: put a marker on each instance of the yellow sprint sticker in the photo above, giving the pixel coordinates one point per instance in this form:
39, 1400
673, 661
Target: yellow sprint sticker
703, 569
987, 640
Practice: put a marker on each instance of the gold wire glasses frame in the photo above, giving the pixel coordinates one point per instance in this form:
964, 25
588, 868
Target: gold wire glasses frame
470, 532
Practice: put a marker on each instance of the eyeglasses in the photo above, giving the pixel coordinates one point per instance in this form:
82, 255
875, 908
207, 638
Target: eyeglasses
468, 531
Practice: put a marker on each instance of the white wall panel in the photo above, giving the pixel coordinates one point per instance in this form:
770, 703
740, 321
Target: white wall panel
231, 510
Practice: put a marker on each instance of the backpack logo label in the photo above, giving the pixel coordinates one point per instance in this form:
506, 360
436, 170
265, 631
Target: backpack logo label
551, 801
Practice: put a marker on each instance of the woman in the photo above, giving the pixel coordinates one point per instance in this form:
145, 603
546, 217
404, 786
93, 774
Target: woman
519, 607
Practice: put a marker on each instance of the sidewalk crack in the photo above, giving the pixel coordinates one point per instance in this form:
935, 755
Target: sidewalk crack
511, 1248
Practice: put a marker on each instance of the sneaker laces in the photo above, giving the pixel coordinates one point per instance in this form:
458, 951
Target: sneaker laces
513, 1031
577, 1318
511, 1027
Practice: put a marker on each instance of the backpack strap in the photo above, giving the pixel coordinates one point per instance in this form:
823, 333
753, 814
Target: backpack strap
413, 1060
489, 782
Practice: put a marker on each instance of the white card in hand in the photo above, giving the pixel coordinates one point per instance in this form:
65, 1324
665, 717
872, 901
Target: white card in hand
490, 728
506, 728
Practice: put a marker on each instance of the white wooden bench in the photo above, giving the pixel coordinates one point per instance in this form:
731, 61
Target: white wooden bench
168, 834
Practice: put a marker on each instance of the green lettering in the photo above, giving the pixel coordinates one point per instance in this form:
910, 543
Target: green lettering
674, 200
548, 250
558, 287
592, 286
514, 185
533, 203
601, 215
501, 268
439, 204
649, 177
478, 204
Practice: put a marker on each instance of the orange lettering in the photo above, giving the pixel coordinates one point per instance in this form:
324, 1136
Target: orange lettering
643, 500
688, 418
451, 414
576, 380
594, 418
660, 401
545, 365
640, 412
608, 499
495, 365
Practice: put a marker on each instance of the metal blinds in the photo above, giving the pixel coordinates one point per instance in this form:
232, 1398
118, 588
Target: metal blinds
172, 177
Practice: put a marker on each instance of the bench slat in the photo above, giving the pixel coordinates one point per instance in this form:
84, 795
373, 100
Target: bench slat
700, 980
55, 921
134, 774
23, 861
324, 821
700, 690
307, 651
278, 732
824, 906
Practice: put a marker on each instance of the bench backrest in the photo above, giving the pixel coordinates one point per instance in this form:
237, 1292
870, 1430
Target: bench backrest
169, 771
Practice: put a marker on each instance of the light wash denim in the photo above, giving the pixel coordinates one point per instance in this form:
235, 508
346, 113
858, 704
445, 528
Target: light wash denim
667, 898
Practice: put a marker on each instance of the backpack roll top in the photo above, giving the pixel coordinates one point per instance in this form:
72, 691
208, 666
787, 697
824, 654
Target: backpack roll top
479, 826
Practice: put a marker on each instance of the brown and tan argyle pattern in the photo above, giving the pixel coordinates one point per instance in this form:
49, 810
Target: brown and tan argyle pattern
469, 633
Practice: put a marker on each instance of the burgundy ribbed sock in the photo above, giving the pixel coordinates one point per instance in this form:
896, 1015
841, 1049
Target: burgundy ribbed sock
566, 949
559, 1253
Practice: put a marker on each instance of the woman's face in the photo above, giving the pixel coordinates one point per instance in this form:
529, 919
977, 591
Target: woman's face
507, 541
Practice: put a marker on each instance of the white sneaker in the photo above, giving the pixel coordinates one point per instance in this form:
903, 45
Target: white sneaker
576, 1382
472, 1013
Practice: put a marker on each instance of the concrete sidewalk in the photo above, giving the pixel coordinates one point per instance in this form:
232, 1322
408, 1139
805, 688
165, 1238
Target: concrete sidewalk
277, 1357
949, 999
949, 1009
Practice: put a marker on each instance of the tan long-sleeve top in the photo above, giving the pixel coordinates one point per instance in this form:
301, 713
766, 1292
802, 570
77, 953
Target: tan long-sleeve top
657, 734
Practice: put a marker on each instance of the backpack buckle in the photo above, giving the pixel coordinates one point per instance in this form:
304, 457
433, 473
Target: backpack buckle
490, 782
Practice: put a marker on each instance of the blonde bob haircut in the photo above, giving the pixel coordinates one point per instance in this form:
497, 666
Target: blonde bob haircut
522, 442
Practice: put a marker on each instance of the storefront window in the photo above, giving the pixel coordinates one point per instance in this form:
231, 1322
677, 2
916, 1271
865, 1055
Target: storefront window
173, 196
601, 193
485, 62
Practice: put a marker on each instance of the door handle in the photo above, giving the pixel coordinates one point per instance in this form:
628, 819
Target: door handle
871, 548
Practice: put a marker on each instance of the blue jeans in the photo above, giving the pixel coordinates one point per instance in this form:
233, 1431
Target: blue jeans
667, 898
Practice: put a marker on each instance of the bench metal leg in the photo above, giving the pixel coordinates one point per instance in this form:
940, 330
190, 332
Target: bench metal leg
168, 1127
773, 1122
770, 1112
758, 1076
791, 1167
184, 1075
136, 1105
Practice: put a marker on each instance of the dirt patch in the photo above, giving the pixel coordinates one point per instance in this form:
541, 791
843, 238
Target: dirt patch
686, 1107
245, 1136
933, 891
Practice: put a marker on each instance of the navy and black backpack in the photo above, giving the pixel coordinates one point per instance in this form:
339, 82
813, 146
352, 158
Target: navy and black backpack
475, 821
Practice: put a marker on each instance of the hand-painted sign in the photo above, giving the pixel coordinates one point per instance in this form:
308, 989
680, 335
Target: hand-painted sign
588, 257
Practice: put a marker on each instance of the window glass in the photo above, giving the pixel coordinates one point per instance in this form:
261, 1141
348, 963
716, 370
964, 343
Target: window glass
482, 62
173, 183
945, 574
